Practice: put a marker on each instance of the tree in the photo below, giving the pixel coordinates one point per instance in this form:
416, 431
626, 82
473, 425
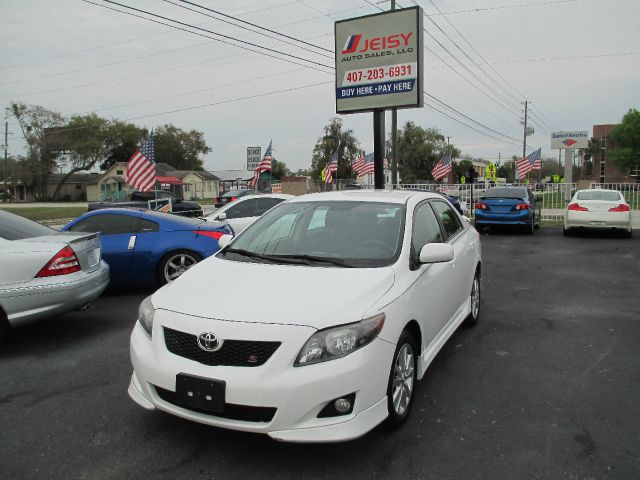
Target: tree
180, 149
37, 123
125, 139
626, 140
461, 169
87, 139
419, 150
279, 169
586, 156
334, 139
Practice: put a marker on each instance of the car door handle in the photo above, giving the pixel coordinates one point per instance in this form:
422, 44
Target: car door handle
132, 242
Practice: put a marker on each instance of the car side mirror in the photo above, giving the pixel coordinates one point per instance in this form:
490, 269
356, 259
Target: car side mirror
224, 240
221, 217
436, 253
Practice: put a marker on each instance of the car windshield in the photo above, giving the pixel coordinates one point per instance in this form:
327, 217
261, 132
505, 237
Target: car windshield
505, 192
323, 233
606, 195
15, 227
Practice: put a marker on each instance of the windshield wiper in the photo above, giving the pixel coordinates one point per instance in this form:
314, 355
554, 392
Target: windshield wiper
312, 258
250, 254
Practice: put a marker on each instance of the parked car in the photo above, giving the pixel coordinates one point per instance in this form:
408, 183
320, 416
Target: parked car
508, 206
246, 210
598, 209
144, 247
142, 199
44, 272
368, 285
232, 196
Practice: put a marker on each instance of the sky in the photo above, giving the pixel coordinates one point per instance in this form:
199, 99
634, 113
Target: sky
576, 61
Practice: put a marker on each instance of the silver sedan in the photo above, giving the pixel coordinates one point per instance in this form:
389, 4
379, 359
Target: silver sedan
44, 272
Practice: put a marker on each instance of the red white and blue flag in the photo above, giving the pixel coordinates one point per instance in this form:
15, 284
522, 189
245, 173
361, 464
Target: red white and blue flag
263, 166
141, 168
332, 167
368, 166
442, 168
533, 161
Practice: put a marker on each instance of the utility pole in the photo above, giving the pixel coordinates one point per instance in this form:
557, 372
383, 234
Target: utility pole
524, 145
6, 162
394, 136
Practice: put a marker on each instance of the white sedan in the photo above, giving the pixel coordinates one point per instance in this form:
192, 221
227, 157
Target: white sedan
333, 306
246, 210
598, 209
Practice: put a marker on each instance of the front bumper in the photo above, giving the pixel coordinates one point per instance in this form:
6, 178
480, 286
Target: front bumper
297, 394
45, 297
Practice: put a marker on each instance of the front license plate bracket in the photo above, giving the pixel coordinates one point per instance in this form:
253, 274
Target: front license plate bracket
200, 393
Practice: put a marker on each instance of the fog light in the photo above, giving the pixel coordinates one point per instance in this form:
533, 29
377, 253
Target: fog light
342, 405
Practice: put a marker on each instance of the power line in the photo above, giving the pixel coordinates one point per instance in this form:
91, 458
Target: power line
227, 37
259, 32
455, 57
487, 9
479, 55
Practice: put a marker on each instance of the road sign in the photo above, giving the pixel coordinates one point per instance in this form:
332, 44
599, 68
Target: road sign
463, 179
254, 155
490, 172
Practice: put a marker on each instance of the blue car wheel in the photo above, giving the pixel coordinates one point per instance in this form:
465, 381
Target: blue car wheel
174, 264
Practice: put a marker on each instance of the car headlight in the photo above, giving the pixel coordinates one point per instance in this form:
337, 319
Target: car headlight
336, 342
145, 314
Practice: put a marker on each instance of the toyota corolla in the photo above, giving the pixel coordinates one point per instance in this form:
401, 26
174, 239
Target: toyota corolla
333, 306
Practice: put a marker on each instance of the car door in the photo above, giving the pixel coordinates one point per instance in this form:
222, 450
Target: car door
118, 239
462, 266
430, 293
147, 247
242, 214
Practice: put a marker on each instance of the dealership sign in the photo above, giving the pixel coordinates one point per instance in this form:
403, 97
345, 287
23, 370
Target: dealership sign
253, 157
379, 61
579, 139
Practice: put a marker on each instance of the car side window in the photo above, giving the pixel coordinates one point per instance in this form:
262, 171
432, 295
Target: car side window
264, 204
426, 229
242, 209
147, 226
107, 224
448, 217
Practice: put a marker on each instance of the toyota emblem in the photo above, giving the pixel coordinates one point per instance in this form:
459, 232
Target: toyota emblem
209, 342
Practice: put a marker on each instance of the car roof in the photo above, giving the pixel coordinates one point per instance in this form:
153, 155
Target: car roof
141, 212
385, 196
244, 198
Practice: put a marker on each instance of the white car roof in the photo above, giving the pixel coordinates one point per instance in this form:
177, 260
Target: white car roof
388, 196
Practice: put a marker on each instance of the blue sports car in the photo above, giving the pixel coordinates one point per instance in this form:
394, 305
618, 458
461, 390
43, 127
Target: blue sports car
145, 248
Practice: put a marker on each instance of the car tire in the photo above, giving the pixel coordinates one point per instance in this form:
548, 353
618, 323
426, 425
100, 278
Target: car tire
476, 297
628, 233
4, 326
567, 232
402, 381
174, 264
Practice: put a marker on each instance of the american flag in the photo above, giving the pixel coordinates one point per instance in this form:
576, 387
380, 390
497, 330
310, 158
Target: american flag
442, 168
263, 166
368, 166
533, 161
332, 167
141, 168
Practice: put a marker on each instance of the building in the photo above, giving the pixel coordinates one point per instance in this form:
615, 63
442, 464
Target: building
187, 184
74, 188
230, 179
603, 170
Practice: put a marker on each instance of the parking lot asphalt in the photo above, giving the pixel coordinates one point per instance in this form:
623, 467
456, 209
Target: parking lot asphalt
546, 386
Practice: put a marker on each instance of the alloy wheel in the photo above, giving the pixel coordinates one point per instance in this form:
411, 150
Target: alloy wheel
403, 379
177, 264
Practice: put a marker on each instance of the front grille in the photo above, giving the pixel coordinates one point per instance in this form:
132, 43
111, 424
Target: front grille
231, 411
234, 353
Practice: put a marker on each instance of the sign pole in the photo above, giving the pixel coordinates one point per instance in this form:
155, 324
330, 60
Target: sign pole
378, 149
568, 171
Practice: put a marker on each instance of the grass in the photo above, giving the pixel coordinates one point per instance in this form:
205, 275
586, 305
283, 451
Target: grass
46, 213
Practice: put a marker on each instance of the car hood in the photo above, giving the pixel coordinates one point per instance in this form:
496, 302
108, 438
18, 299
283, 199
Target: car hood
318, 297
